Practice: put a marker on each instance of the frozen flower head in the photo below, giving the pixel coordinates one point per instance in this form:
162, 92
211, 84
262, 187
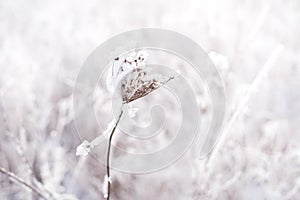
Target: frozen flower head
141, 82
135, 78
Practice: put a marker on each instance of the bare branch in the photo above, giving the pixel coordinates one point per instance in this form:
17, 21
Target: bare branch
19, 180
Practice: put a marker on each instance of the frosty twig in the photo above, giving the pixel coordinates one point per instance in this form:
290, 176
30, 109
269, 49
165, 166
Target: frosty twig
23, 182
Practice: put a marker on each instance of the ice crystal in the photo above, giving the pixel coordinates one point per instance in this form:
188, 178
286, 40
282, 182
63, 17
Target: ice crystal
84, 148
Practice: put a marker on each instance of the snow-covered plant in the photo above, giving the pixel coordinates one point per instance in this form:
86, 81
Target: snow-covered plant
136, 80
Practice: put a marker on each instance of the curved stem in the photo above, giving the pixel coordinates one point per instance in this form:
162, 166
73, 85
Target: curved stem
108, 152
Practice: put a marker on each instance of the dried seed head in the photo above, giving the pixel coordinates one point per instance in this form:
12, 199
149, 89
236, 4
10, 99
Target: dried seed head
141, 82
136, 79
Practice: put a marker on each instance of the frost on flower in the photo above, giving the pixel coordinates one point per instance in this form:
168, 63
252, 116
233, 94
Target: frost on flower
106, 181
136, 79
141, 82
123, 66
84, 148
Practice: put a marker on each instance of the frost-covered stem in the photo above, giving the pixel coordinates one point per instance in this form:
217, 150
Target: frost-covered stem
242, 105
108, 153
23, 182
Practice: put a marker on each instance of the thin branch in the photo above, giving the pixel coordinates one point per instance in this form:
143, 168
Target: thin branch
108, 152
23, 182
20, 151
242, 105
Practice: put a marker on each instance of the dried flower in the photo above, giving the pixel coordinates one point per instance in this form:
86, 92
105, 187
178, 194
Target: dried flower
136, 79
141, 82
123, 66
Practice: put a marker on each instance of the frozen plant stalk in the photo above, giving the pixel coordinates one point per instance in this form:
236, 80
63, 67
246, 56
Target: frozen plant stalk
136, 81
105, 187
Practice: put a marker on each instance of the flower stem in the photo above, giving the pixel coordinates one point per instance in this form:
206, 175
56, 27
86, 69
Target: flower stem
108, 152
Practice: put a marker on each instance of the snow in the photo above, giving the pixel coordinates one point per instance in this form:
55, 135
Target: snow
132, 111
44, 43
84, 148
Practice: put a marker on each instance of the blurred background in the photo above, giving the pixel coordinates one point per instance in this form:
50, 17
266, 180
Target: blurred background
43, 45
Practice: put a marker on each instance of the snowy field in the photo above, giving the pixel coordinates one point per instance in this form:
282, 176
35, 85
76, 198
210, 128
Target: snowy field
254, 44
